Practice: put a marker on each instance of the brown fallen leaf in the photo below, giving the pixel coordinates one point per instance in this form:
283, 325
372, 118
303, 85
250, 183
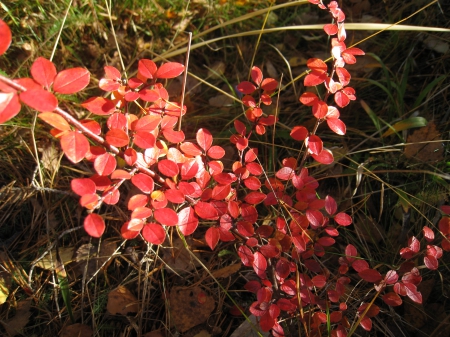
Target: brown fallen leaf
121, 301
189, 307
425, 152
227, 271
76, 330
14, 326
89, 254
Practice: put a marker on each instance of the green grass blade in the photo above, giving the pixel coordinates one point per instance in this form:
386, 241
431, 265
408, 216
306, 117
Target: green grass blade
409, 123
427, 89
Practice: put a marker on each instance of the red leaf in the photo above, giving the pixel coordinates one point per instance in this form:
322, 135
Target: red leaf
112, 73
285, 173
216, 152
391, 277
105, 164
246, 87
299, 133
252, 183
366, 323
319, 281
351, 253
309, 98
254, 198
55, 120
82, 186
141, 213
99, 106
120, 174
370, 275
325, 157
257, 75
173, 136
138, 200
204, 139
143, 139
212, 237
39, 99
126, 233
343, 219
428, 233
337, 126
147, 123
392, 299
75, 145
260, 265
412, 293
5, 37
94, 225
330, 205
168, 168
144, 182
431, 262
147, 68
314, 79
117, 137
169, 70
360, 265
315, 144
330, 29
245, 228
206, 210
315, 218
43, 72
269, 84
154, 233
326, 241
220, 192
9, 104
70, 81
166, 216
175, 196
269, 251
187, 221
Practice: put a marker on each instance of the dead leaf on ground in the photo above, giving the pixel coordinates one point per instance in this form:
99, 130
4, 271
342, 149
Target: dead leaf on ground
178, 258
15, 325
48, 261
96, 259
5, 285
247, 330
76, 330
189, 307
220, 100
121, 301
425, 152
227, 271
50, 158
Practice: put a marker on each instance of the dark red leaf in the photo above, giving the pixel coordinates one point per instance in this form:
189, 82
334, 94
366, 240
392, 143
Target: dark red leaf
187, 221
94, 225
75, 146
392, 299
5, 37
212, 236
154, 233
169, 70
259, 265
370, 275
70, 81
246, 255
366, 323
319, 281
43, 72
39, 99
9, 105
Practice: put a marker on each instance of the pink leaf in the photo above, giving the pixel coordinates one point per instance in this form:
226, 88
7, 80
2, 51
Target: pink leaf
169, 70
39, 99
5, 37
94, 225
70, 81
75, 145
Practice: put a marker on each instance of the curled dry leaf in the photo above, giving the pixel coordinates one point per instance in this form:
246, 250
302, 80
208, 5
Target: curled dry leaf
76, 330
190, 307
121, 301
